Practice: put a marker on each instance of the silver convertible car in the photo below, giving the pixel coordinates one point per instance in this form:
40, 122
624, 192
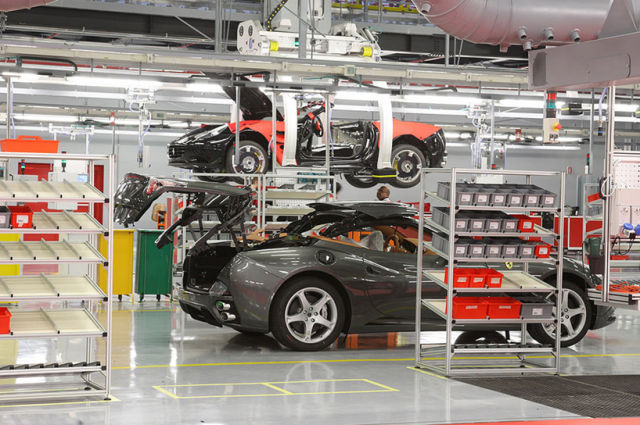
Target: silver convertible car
314, 282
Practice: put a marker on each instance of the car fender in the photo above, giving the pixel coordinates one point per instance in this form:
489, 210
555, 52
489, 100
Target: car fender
255, 277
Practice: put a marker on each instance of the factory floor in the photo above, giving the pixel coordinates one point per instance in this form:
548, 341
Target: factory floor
169, 369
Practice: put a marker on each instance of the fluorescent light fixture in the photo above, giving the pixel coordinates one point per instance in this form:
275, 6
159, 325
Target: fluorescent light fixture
625, 107
356, 95
440, 100
521, 103
43, 118
81, 80
24, 77
204, 87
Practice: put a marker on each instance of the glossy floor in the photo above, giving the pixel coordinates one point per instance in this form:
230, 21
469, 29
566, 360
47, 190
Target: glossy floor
170, 369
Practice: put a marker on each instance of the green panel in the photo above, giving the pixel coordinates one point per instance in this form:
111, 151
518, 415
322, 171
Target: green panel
153, 265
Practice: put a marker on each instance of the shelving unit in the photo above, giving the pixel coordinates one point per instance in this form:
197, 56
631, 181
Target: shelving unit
509, 358
65, 316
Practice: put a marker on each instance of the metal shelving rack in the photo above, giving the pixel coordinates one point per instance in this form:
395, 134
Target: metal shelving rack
513, 282
63, 321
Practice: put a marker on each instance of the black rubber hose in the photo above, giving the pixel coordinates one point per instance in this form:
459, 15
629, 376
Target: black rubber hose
267, 23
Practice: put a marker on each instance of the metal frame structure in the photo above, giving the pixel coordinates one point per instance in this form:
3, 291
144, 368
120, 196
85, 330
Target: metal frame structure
442, 307
25, 322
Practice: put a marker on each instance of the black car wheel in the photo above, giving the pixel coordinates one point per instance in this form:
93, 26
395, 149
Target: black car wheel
253, 159
307, 314
576, 318
361, 182
407, 160
481, 337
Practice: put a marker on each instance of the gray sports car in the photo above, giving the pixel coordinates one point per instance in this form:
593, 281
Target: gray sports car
314, 282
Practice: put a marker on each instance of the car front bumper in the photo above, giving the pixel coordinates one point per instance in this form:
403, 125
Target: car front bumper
604, 316
201, 307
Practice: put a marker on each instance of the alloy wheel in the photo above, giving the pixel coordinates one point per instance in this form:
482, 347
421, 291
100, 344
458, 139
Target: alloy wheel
573, 316
407, 164
311, 315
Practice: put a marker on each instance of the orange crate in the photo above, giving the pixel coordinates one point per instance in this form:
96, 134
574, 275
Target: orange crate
503, 308
5, 319
469, 308
460, 277
494, 278
21, 217
34, 144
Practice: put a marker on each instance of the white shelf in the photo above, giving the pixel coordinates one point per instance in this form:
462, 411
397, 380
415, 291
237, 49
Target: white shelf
48, 370
490, 207
291, 194
539, 232
60, 222
501, 348
512, 282
488, 260
48, 287
439, 307
53, 323
44, 252
44, 191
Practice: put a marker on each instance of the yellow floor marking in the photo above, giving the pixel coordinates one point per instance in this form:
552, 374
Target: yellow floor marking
281, 391
113, 399
435, 375
409, 359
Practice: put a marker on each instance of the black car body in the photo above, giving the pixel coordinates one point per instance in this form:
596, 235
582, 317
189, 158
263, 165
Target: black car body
354, 148
273, 286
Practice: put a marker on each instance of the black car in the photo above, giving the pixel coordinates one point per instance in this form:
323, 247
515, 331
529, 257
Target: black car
354, 148
312, 283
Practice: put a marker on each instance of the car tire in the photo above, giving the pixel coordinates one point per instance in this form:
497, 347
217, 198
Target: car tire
407, 160
577, 307
253, 158
361, 182
481, 337
296, 324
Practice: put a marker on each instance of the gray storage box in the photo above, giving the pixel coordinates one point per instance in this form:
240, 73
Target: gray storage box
481, 196
498, 198
441, 216
463, 196
526, 250
509, 224
548, 199
535, 308
509, 250
442, 243
477, 224
493, 250
514, 198
531, 197
476, 249
493, 224
5, 217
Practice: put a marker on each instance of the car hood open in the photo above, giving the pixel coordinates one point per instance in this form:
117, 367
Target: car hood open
136, 193
377, 210
254, 104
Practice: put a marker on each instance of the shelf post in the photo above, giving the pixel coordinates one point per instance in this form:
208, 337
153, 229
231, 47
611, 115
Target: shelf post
420, 254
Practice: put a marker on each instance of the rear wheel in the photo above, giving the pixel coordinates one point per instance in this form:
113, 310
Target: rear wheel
252, 159
407, 160
576, 318
307, 315
361, 182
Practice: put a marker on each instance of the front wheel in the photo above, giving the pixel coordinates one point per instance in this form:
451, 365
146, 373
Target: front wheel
576, 318
407, 160
252, 159
307, 315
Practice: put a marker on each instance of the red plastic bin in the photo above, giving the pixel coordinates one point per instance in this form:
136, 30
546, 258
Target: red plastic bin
469, 308
543, 250
503, 308
21, 217
478, 278
494, 278
34, 144
460, 277
5, 320
526, 225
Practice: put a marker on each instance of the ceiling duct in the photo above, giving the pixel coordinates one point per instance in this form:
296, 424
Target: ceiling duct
11, 5
528, 23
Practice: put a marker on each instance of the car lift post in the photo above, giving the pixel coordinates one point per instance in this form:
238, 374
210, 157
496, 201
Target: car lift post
290, 130
385, 171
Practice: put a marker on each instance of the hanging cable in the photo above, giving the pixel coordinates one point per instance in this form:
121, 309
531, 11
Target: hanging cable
267, 23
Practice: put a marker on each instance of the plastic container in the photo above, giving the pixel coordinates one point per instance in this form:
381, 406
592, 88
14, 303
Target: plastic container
531, 197
481, 196
34, 144
503, 308
493, 250
542, 250
21, 217
469, 308
477, 224
548, 199
461, 277
535, 308
477, 278
440, 215
493, 223
5, 217
122, 262
476, 249
509, 224
498, 198
5, 321
493, 278
526, 250
526, 225
154, 267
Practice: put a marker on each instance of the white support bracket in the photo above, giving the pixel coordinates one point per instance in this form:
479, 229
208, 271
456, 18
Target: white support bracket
290, 130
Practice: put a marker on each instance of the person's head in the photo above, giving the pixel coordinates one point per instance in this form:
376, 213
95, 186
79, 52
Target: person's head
383, 193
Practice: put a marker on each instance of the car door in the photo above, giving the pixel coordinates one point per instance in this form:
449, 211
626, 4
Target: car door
391, 283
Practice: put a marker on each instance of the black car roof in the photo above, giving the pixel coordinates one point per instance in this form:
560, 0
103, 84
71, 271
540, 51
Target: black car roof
377, 210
